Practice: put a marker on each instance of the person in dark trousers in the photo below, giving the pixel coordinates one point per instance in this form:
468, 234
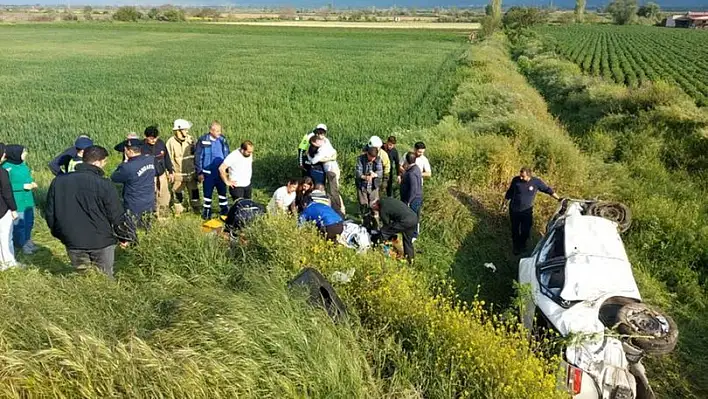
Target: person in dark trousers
327, 219
66, 161
137, 174
153, 145
369, 173
210, 152
302, 197
519, 198
82, 210
237, 170
390, 148
412, 188
396, 217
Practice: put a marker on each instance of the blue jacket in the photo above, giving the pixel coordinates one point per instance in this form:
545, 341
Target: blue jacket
412, 185
210, 154
138, 179
321, 214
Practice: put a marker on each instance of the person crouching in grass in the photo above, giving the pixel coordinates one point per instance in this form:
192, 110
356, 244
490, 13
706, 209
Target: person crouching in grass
22, 186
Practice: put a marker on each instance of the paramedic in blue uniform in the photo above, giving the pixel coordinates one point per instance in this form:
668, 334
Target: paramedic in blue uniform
519, 198
210, 152
137, 175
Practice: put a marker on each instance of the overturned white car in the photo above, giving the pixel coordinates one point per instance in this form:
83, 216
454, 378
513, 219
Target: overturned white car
582, 286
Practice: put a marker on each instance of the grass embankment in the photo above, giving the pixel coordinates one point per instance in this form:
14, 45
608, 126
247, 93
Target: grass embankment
649, 144
189, 317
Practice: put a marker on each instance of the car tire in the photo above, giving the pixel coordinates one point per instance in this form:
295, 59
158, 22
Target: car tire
648, 330
614, 211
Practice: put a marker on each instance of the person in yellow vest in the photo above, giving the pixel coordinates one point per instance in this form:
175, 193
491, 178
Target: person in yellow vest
181, 149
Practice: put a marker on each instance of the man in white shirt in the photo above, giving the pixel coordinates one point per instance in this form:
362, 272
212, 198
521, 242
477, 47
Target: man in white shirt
421, 160
236, 171
283, 198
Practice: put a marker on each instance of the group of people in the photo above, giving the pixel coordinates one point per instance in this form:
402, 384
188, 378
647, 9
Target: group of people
83, 208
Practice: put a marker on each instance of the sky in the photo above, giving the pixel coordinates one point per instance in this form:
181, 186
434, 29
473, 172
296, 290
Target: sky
567, 4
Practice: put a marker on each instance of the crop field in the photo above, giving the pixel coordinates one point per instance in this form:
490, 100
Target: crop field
634, 55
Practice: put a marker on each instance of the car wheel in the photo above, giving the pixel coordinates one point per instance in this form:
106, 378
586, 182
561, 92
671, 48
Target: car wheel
614, 211
649, 330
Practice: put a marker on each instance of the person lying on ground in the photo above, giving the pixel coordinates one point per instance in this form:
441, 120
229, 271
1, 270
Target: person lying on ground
81, 211
283, 198
66, 161
329, 223
396, 217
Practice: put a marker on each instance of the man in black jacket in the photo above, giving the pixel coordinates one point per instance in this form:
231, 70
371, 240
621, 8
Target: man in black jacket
82, 210
390, 148
396, 217
163, 168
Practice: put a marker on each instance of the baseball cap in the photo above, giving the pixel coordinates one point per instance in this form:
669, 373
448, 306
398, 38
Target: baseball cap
131, 141
83, 143
321, 126
375, 141
181, 124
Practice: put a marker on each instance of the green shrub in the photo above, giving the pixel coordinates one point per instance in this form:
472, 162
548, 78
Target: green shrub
127, 14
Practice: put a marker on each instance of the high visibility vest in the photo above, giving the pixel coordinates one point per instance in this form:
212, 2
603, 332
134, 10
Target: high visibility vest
72, 165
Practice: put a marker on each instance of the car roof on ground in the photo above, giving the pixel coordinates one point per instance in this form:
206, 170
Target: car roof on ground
597, 262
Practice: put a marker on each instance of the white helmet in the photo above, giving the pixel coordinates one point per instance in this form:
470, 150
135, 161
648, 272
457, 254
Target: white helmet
321, 126
375, 141
181, 124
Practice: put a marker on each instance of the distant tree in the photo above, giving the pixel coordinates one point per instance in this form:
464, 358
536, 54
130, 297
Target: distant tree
649, 10
623, 11
523, 17
579, 10
488, 9
153, 13
489, 25
88, 11
172, 15
496, 8
127, 14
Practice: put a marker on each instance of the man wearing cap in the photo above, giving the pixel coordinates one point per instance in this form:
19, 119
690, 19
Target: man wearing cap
369, 172
376, 142
180, 148
66, 161
210, 151
137, 174
303, 162
153, 145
